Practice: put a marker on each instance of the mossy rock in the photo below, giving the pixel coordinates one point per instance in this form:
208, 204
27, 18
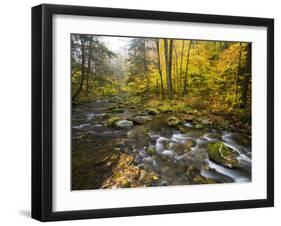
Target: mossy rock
141, 119
206, 121
112, 120
223, 155
150, 150
189, 118
173, 121
151, 111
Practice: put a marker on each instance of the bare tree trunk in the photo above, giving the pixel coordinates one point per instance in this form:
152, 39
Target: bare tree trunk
82, 69
247, 76
180, 83
186, 71
159, 67
168, 69
175, 70
170, 65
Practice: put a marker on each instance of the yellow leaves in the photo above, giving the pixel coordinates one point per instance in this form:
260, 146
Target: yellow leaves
126, 175
228, 57
155, 177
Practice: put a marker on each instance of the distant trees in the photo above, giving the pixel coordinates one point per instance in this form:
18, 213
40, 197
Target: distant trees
90, 64
79, 46
139, 61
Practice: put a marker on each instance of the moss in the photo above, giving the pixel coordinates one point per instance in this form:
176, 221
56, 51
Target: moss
165, 107
132, 100
112, 120
141, 119
173, 121
151, 111
223, 155
150, 150
181, 107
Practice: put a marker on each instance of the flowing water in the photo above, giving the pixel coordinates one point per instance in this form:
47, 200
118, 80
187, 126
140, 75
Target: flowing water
172, 160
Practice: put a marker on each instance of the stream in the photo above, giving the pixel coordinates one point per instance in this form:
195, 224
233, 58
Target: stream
94, 142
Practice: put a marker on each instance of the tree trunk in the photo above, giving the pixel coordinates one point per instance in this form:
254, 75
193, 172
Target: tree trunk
175, 70
159, 68
168, 69
170, 65
82, 69
247, 76
156, 87
180, 83
186, 71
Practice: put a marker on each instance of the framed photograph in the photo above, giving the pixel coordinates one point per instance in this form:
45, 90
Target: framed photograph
146, 112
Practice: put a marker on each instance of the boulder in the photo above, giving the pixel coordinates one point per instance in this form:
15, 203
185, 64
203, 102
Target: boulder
112, 120
124, 124
151, 111
188, 118
142, 119
168, 153
173, 121
165, 108
221, 154
206, 122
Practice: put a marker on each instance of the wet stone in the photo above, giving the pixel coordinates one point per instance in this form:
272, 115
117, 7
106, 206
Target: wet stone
151, 111
141, 119
173, 121
223, 155
124, 124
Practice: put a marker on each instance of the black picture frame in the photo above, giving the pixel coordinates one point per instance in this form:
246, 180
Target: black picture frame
42, 111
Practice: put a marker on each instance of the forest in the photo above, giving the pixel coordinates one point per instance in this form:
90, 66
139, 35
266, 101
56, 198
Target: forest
159, 111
